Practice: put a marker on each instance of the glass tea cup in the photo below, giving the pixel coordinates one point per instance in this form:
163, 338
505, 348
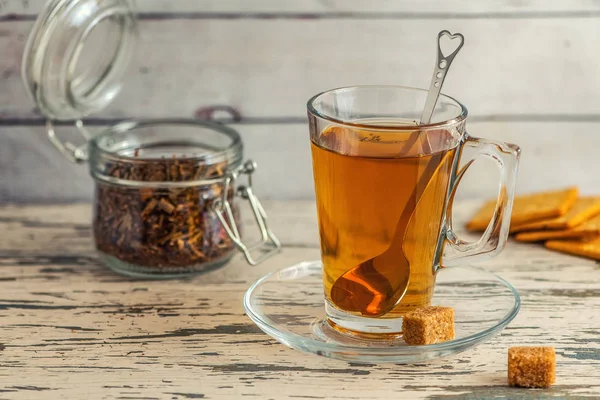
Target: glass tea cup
384, 189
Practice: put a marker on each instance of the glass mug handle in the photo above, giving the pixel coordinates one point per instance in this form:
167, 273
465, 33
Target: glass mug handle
493, 240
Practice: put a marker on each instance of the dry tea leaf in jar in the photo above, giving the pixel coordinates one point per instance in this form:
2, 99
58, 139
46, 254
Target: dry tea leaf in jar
171, 229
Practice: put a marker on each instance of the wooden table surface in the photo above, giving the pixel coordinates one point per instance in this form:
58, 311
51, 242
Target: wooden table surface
73, 329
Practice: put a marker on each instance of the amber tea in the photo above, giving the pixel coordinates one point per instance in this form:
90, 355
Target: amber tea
380, 201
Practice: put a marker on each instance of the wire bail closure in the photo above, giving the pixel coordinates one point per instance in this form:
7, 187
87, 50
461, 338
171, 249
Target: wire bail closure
268, 244
70, 151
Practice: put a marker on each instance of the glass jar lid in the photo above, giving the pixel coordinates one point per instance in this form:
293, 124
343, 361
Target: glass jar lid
77, 54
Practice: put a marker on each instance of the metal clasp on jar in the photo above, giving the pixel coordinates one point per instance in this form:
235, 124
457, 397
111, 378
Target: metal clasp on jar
73, 153
269, 244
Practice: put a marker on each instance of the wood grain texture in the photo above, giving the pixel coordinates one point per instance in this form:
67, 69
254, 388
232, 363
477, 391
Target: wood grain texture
72, 329
528, 72
329, 7
270, 68
554, 154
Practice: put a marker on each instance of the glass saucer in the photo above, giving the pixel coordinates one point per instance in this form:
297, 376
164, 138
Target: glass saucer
289, 306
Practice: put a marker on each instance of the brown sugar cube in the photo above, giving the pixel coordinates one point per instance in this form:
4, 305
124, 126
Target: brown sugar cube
532, 367
428, 325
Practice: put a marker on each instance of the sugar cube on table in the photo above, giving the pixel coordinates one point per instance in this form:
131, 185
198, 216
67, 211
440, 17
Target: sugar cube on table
531, 367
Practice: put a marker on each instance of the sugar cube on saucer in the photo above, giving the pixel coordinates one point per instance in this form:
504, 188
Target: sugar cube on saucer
428, 325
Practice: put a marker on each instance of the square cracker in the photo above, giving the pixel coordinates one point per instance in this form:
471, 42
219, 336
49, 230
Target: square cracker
583, 209
589, 249
588, 230
529, 208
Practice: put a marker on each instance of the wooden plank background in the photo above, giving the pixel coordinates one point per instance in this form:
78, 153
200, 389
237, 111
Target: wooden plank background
528, 73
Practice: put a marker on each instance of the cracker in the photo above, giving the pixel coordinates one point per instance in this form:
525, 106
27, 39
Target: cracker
541, 236
588, 230
529, 208
589, 249
583, 209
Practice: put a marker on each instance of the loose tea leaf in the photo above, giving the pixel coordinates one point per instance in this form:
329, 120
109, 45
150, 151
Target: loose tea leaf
162, 230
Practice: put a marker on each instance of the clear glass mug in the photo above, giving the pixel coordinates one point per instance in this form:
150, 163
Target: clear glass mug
384, 189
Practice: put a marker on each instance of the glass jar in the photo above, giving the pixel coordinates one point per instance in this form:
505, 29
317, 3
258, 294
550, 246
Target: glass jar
165, 197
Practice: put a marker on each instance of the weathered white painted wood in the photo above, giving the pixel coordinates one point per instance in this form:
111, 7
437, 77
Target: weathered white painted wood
32, 169
72, 329
554, 154
525, 60
31, 7
377, 6
269, 68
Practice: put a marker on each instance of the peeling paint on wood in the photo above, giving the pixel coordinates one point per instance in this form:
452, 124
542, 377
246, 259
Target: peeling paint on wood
73, 329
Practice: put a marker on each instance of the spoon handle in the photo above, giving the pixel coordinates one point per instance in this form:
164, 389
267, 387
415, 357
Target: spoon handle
439, 74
